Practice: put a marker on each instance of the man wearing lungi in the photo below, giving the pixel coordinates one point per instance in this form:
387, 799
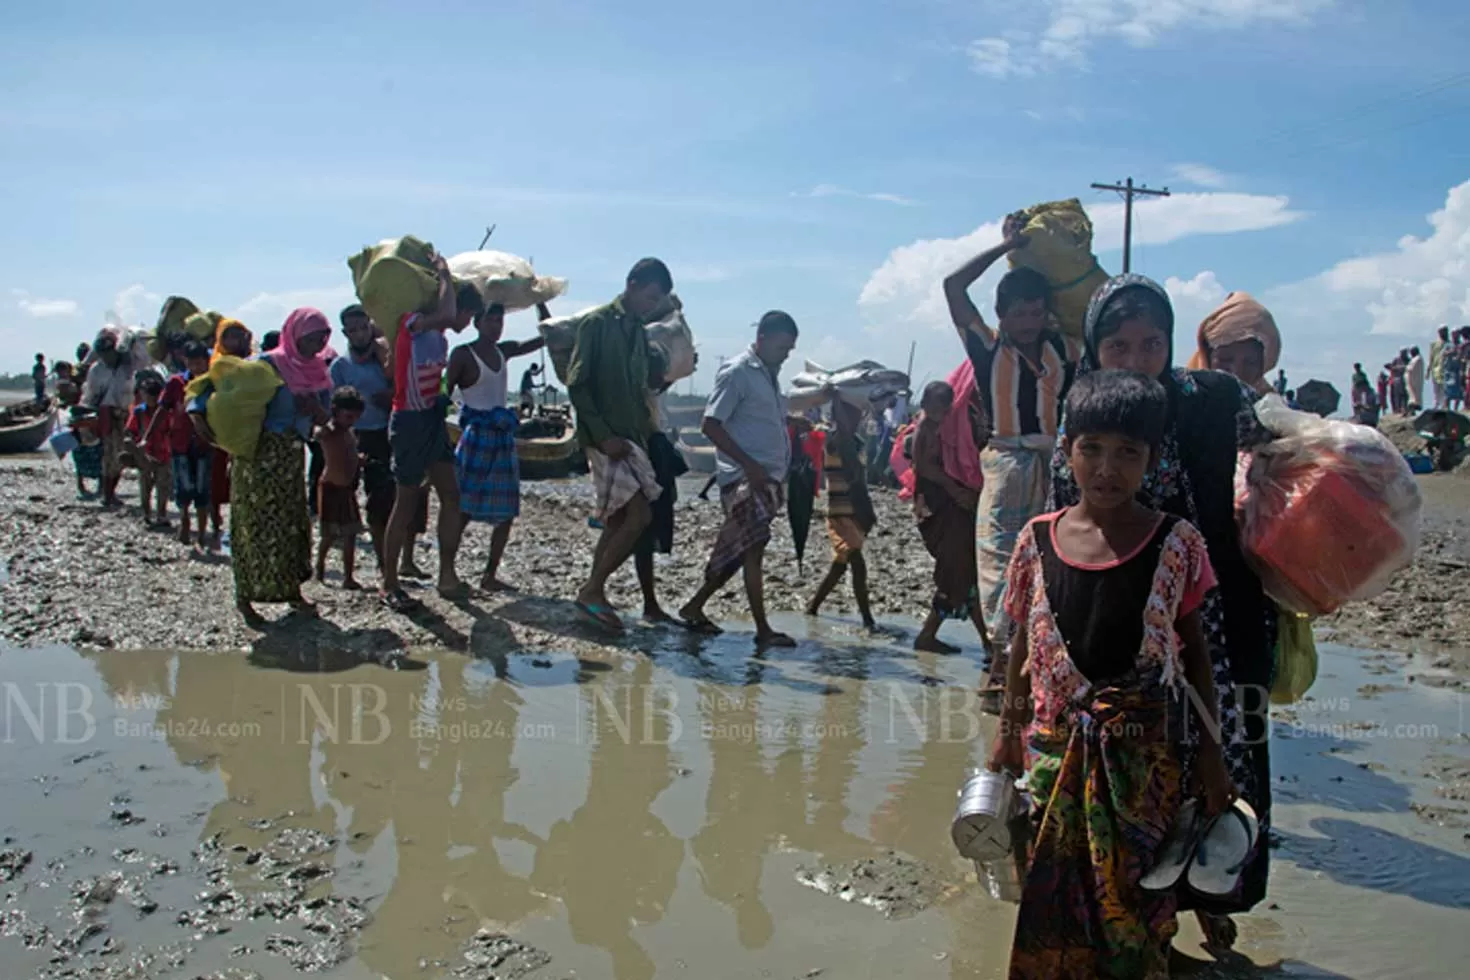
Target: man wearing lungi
746, 420
1022, 373
611, 371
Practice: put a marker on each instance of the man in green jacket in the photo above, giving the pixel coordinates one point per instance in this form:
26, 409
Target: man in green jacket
610, 380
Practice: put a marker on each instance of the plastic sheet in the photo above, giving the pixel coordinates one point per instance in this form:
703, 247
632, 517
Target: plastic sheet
1328, 510
670, 334
506, 279
859, 384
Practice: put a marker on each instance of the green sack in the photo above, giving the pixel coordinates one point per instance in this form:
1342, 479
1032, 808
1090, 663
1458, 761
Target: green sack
1296, 658
394, 278
236, 410
1060, 248
203, 325
176, 309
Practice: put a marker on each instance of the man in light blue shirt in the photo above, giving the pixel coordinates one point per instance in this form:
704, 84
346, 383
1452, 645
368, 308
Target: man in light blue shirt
747, 421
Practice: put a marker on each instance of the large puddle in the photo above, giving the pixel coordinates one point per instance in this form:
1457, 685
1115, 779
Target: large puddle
646, 814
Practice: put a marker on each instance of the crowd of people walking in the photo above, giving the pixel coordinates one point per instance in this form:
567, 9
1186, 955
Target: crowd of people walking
1074, 492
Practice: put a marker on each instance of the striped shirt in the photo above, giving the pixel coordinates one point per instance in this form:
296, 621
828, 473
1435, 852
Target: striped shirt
418, 367
1021, 398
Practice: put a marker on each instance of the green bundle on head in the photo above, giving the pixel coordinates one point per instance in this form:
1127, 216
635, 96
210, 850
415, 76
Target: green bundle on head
1059, 246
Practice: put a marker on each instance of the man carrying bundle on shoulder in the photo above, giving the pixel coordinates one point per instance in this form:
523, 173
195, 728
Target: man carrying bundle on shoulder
1023, 369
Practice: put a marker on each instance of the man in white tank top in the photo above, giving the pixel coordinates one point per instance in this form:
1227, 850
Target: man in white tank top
485, 460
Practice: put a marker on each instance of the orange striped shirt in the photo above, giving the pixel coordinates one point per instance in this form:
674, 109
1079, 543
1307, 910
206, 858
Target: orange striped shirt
1021, 398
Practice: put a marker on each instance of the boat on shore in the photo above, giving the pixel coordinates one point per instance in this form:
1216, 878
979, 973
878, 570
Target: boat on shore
547, 445
25, 427
699, 459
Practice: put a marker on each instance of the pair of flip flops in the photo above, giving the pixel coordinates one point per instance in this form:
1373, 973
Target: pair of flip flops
1207, 854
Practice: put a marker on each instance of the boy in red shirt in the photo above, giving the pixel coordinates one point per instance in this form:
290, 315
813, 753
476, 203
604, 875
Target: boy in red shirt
150, 427
192, 463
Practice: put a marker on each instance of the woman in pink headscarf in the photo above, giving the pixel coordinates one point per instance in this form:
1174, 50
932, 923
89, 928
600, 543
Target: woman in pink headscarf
1239, 338
270, 527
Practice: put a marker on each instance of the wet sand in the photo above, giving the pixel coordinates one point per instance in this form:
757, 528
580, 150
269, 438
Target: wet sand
632, 815
72, 574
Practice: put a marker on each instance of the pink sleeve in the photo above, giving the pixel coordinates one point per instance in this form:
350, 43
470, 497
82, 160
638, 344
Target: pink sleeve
1019, 585
1199, 576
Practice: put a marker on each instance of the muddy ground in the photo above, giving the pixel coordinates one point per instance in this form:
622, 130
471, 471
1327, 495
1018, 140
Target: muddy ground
73, 574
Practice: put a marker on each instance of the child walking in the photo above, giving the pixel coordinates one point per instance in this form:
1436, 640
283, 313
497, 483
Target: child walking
337, 511
150, 426
945, 507
192, 457
850, 515
87, 456
1106, 596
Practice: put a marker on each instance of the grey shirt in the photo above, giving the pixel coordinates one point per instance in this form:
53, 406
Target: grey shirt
748, 403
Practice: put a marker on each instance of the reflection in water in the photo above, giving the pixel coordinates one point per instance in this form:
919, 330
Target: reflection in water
824, 751
614, 863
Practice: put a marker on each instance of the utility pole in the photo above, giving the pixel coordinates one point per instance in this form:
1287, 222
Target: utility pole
1129, 192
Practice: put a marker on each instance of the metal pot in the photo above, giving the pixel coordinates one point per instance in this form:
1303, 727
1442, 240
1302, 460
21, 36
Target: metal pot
981, 827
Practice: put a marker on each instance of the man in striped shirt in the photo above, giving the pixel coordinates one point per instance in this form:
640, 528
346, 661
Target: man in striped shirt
1022, 373
418, 438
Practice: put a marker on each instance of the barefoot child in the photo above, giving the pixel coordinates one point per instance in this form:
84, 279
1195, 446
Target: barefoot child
87, 457
850, 513
946, 509
337, 511
192, 457
1106, 596
150, 427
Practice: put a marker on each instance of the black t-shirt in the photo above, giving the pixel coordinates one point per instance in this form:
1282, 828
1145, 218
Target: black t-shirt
1099, 608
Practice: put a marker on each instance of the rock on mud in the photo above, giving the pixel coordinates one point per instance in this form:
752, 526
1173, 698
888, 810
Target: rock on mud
496, 956
895, 885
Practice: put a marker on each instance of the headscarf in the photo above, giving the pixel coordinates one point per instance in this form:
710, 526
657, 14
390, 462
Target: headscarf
960, 455
1098, 305
1239, 318
304, 375
219, 337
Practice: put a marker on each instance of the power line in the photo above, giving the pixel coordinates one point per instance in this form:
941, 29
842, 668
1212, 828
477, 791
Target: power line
1129, 191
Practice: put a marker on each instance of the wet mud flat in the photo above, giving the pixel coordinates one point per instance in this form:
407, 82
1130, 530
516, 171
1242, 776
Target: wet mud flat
674, 811
71, 574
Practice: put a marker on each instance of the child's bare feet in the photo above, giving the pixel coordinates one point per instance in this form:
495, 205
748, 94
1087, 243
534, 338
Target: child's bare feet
351, 585
933, 644
184, 536
489, 583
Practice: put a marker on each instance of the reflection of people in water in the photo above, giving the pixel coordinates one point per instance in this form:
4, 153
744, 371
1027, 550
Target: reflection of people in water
442, 786
614, 863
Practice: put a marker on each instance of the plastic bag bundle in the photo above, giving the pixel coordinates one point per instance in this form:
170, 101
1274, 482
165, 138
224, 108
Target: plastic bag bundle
506, 279
669, 334
1060, 248
394, 278
1328, 510
1296, 659
860, 384
236, 410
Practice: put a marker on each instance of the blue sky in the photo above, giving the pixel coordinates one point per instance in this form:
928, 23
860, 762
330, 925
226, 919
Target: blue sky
831, 160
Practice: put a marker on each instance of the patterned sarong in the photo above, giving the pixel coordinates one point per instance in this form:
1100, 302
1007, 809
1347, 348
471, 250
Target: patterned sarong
748, 519
270, 530
486, 466
620, 480
1105, 786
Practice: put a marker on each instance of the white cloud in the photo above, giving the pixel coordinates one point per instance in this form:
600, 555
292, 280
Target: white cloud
136, 305
1200, 175
1405, 292
1061, 32
831, 190
907, 288
43, 309
1194, 299
267, 311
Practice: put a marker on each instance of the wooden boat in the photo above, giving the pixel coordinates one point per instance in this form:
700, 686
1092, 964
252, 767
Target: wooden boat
24, 428
547, 446
699, 459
